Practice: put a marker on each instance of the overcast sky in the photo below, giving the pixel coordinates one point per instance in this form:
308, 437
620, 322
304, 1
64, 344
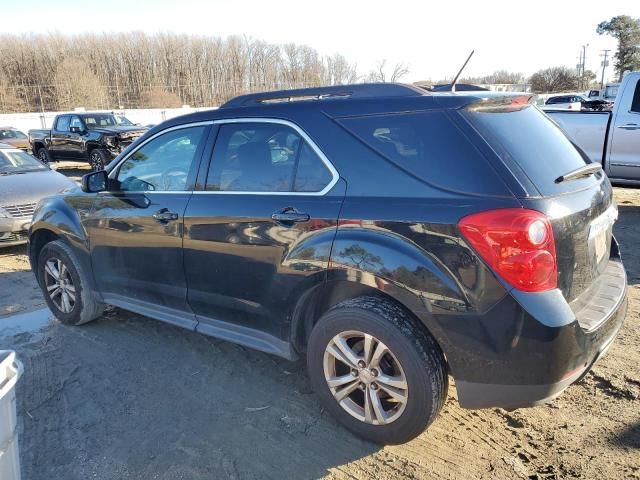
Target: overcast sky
432, 38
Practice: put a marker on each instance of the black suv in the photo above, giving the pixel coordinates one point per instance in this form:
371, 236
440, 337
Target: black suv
392, 236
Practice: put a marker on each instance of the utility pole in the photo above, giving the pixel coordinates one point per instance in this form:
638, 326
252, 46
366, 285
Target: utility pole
118, 92
42, 120
584, 61
605, 64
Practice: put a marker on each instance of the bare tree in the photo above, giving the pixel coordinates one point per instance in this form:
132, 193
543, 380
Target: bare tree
339, 71
554, 79
77, 86
399, 71
157, 97
380, 72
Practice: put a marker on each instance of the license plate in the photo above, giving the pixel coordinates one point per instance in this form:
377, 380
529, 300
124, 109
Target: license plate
600, 234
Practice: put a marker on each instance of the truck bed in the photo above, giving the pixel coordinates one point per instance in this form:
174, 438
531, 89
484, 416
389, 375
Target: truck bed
588, 130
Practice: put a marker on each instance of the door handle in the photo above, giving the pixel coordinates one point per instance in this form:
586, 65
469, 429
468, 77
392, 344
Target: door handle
630, 126
165, 215
290, 215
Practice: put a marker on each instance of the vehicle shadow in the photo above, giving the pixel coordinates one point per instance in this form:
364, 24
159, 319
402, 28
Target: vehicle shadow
630, 437
135, 396
627, 232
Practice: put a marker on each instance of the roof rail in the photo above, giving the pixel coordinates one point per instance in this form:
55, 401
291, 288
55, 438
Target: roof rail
360, 90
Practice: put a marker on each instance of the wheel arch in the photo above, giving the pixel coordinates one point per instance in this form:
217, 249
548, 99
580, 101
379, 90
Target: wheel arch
55, 220
319, 299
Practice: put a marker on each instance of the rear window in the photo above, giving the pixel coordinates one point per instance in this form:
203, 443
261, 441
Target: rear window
528, 139
428, 146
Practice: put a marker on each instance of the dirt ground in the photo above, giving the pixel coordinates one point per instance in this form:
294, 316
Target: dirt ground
126, 397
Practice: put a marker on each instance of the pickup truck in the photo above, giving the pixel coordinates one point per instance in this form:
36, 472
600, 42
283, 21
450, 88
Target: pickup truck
95, 137
610, 138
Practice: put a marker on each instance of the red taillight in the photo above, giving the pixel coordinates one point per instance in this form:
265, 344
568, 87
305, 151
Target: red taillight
517, 244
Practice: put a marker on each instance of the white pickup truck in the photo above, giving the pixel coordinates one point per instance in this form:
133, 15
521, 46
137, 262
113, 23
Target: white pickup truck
610, 138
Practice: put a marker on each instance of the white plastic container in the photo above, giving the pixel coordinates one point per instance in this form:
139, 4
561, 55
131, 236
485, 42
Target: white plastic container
10, 371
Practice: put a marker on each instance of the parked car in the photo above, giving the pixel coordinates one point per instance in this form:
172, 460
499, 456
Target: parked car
95, 137
24, 181
15, 138
389, 235
576, 103
608, 93
611, 139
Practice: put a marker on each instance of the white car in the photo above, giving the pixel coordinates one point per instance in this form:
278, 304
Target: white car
565, 102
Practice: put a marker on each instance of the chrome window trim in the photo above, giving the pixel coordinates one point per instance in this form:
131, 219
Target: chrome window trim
162, 132
334, 173
624, 164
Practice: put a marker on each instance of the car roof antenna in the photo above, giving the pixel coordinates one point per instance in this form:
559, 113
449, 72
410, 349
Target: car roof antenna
453, 84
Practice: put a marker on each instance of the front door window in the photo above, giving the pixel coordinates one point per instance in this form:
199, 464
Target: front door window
162, 164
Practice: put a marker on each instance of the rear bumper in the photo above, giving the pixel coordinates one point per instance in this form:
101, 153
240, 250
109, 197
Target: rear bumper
531, 347
475, 395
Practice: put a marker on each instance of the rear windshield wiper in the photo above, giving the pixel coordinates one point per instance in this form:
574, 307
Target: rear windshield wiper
585, 171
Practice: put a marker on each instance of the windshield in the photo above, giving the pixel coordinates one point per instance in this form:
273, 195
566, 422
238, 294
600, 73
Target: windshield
16, 161
122, 120
9, 134
99, 120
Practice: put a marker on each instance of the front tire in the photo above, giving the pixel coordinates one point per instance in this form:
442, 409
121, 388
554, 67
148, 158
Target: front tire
378, 371
65, 285
98, 159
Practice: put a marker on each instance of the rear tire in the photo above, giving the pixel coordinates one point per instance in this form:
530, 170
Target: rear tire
99, 159
65, 285
43, 155
409, 380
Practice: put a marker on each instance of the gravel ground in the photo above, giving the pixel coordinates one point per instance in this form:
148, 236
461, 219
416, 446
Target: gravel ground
129, 397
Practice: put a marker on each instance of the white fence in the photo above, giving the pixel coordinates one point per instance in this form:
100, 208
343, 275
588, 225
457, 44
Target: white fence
148, 116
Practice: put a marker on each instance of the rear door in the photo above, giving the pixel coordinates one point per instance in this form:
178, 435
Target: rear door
624, 159
259, 232
136, 228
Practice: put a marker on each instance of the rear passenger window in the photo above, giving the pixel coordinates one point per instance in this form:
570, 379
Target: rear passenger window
429, 146
265, 157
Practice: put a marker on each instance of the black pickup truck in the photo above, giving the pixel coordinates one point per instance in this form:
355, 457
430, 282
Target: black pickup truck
94, 136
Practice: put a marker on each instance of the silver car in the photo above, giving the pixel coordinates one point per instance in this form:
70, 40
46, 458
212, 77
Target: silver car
24, 181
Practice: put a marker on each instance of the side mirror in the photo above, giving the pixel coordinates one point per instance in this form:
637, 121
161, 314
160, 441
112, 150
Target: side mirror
75, 129
95, 182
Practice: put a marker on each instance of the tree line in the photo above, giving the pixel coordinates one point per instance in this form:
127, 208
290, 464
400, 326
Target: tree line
137, 70
128, 70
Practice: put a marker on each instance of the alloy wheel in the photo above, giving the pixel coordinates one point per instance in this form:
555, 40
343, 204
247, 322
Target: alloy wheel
365, 377
59, 284
42, 156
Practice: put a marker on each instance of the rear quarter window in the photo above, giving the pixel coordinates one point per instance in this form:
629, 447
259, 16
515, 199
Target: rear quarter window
430, 147
530, 143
